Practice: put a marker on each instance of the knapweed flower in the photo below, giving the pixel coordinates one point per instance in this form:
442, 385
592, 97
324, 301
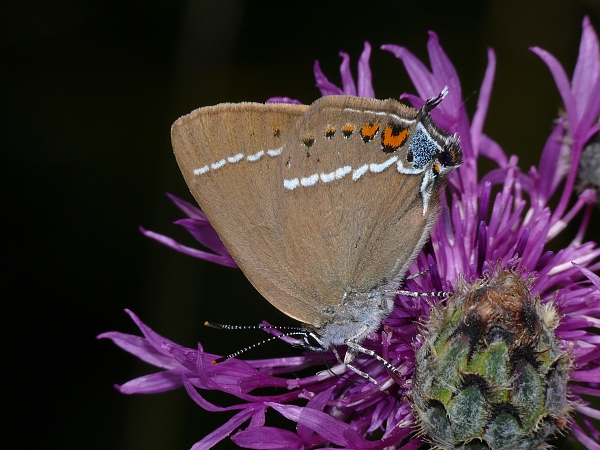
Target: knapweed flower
493, 230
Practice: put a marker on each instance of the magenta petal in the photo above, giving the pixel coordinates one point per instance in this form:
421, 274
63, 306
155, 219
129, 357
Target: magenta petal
584, 438
589, 114
204, 404
365, 84
551, 164
172, 243
415, 101
348, 85
562, 83
192, 211
589, 274
318, 402
483, 103
365, 81
593, 130
154, 338
188, 357
590, 412
268, 438
587, 69
258, 419
592, 355
492, 150
140, 347
419, 74
588, 376
205, 234
576, 389
381, 413
234, 376
322, 423
444, 73
412, 445
224, 430
323, 84
153, 383
199, 227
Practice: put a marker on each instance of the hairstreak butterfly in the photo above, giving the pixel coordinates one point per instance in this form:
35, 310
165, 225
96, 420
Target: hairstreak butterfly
324, 207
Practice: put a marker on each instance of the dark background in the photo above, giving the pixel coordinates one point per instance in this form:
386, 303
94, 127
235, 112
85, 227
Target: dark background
89, 90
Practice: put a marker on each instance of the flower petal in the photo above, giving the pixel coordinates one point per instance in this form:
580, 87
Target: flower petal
268, 438
318, 421
192, 211
172, 243
153, 383
562, 83
224, 430
140, 347
348, 85
444, 73
318, 402
483, 103
365, 81
323, 84
587, 69
204, 233
419, 74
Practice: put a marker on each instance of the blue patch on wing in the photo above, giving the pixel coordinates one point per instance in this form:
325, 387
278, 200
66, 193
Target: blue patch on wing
423, 148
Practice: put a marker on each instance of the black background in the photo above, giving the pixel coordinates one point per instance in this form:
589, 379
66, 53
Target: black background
89, 90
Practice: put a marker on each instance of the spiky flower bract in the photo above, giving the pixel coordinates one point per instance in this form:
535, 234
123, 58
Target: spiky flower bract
502, 219
490, 372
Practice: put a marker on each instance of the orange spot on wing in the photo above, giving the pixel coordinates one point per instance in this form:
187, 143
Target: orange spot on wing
347, 130
393, 137
369, 130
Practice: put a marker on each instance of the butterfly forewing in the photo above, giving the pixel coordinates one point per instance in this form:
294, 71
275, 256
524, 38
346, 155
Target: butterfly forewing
230, 156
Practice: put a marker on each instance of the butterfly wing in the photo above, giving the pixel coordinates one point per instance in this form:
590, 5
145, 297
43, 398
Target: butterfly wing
230, 156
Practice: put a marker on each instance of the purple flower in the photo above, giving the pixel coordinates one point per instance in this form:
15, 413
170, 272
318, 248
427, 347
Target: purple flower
502, 218
349, 87
198, 226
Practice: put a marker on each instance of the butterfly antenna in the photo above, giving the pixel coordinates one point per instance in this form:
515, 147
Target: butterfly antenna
224, 326
293, 331
423, 294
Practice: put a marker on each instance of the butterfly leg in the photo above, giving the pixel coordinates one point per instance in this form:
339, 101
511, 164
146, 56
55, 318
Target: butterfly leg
355, 348
362, 374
